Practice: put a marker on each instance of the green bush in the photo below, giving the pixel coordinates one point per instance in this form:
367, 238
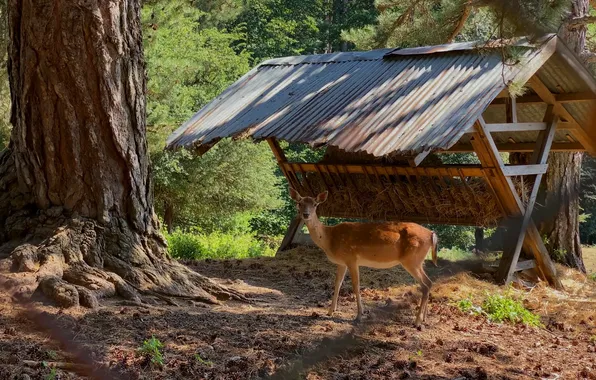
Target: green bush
504, 308
216, 245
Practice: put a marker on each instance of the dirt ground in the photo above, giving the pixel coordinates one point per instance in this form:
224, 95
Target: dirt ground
286, 333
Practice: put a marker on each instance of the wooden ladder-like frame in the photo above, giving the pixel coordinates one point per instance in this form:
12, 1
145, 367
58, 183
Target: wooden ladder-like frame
521, 228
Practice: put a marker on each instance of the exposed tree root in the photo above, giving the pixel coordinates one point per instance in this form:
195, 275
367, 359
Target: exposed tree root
76, 261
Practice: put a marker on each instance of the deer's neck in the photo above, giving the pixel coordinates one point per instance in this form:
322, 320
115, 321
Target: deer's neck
317, 231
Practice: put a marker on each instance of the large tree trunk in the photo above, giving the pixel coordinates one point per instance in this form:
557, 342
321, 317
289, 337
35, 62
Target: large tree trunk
76, 205
562, 189
563, 176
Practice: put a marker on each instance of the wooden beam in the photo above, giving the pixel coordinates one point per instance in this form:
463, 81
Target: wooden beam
524, 265
572, 97
511, 110
518, 147
520, 127
277, 151
511, 127
514, 170
295, 225
585, 137
467, 170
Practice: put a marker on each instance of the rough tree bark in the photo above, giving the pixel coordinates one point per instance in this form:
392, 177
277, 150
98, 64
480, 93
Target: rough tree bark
76, 204
563, 175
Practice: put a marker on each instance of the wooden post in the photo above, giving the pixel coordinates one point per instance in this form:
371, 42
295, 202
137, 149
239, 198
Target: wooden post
488, 154
294, 227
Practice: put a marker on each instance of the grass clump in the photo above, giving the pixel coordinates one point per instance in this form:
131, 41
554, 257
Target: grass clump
504, 308
500, 308
592, 276
152, 348
196, 245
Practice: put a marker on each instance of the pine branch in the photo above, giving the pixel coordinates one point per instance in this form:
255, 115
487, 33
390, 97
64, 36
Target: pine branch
578, 22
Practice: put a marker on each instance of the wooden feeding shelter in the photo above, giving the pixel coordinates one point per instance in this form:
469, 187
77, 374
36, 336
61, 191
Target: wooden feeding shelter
385, 115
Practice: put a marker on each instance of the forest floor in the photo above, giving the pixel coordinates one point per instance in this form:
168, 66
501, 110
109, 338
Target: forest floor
286, 334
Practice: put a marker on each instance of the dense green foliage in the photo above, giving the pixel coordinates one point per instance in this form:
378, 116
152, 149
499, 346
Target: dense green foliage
209, 191
197, 245
276, 28
189, 65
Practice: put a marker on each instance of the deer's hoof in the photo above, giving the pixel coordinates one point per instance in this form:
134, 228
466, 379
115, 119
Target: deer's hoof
331, 312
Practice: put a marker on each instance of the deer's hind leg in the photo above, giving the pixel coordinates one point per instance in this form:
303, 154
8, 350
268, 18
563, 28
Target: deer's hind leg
429, 284
414, 267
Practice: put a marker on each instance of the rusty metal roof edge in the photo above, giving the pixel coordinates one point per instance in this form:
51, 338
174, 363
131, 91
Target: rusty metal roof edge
328, 58
461, 46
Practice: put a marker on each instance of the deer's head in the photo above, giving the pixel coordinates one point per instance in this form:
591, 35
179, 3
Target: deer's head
307, 206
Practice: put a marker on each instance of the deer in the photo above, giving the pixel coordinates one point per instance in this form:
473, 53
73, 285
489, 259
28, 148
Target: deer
381, 245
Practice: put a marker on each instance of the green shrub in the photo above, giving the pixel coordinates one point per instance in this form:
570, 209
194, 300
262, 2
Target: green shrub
454, 254
592, 276
504, 308
216, 245
152, 348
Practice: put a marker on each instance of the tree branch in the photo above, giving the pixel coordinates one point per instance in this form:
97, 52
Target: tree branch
460, 23
577, 22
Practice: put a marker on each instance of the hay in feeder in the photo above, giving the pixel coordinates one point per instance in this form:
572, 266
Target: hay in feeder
450, 199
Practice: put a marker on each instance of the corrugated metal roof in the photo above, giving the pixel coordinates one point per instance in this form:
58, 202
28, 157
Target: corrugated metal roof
379, 102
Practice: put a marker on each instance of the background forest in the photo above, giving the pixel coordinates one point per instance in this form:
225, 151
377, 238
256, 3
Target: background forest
232, 201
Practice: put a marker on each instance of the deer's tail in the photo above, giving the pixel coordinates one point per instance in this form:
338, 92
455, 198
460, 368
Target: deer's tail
435, 243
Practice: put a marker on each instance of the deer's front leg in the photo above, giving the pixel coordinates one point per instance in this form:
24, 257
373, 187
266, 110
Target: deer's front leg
339, 279
355, 275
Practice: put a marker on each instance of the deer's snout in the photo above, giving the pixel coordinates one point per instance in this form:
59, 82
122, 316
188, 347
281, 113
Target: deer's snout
305, 215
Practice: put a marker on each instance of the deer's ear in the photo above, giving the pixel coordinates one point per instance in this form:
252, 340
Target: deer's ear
322, 197
294, 195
